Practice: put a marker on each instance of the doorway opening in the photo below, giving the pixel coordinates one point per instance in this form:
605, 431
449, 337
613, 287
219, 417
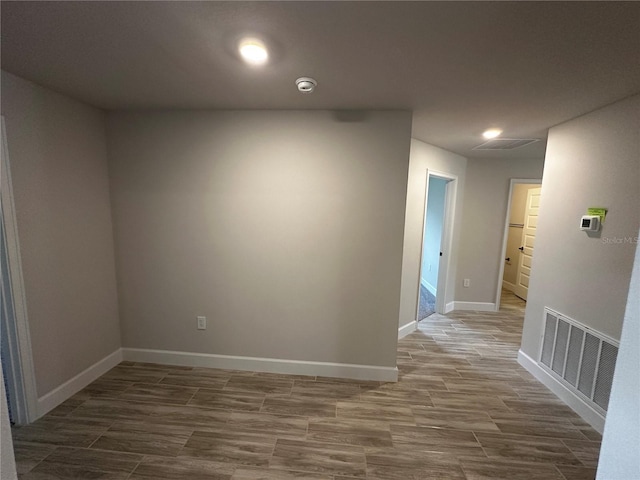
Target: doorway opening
518, 242
436, 242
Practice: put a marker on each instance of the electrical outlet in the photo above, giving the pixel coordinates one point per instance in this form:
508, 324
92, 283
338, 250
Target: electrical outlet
202, 323
429, 267
466, 283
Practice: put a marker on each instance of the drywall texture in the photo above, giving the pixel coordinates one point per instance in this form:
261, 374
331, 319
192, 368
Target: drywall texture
426, 157
283, 228
7, 460
619, 453
433, 231
485, 210
591, 161
514, 239
57, 151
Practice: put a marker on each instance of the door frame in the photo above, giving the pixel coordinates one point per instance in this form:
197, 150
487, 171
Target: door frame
20, 374
505, 235
446, 241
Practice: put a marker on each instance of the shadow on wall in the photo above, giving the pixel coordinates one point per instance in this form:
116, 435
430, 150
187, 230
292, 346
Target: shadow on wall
350, 116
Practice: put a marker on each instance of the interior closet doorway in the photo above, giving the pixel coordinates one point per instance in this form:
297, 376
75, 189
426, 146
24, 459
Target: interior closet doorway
436, 241
519, 237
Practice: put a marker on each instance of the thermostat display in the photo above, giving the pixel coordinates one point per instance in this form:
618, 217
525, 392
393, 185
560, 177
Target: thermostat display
590, 223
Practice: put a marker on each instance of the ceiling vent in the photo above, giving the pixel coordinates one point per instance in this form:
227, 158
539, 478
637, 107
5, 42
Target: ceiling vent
505, 143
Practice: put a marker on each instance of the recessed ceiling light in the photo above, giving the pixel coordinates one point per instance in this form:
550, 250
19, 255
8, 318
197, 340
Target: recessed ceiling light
492, 133
253, 51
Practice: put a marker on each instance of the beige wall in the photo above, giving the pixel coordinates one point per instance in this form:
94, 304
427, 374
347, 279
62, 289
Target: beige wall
591, 161
57, 151
514, 238
485, 209
283, 228
426, 157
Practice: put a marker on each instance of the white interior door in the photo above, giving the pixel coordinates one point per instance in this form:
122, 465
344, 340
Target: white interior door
528, 239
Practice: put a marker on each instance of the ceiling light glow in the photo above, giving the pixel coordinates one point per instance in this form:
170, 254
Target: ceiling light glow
253, 51
492, 133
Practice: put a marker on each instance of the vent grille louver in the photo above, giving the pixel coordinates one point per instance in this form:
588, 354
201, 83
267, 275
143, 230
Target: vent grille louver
581, 357
589, 361
560, 349
574, 353
549, 335
606, 366
505, 143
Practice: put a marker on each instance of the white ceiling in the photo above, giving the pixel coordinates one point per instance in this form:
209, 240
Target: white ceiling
460, 66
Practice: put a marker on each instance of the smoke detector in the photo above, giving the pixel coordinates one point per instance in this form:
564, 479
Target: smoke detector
306, 84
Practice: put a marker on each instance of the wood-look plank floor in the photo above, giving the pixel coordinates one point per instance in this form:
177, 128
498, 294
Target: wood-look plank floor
462, 409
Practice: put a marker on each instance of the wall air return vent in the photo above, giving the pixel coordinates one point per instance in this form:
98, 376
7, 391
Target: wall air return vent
505, 143
583, 359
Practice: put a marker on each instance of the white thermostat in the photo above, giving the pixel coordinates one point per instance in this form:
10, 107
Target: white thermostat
590, 223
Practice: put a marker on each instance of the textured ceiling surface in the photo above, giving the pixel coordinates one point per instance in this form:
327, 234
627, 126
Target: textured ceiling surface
461, 67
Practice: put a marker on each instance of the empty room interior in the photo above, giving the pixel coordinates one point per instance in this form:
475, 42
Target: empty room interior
320, 240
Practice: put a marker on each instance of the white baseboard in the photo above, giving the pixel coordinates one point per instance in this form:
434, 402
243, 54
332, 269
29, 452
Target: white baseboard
428, 286
577, 404
271, 365
476, 306
55, 397
508, 285
407, 329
